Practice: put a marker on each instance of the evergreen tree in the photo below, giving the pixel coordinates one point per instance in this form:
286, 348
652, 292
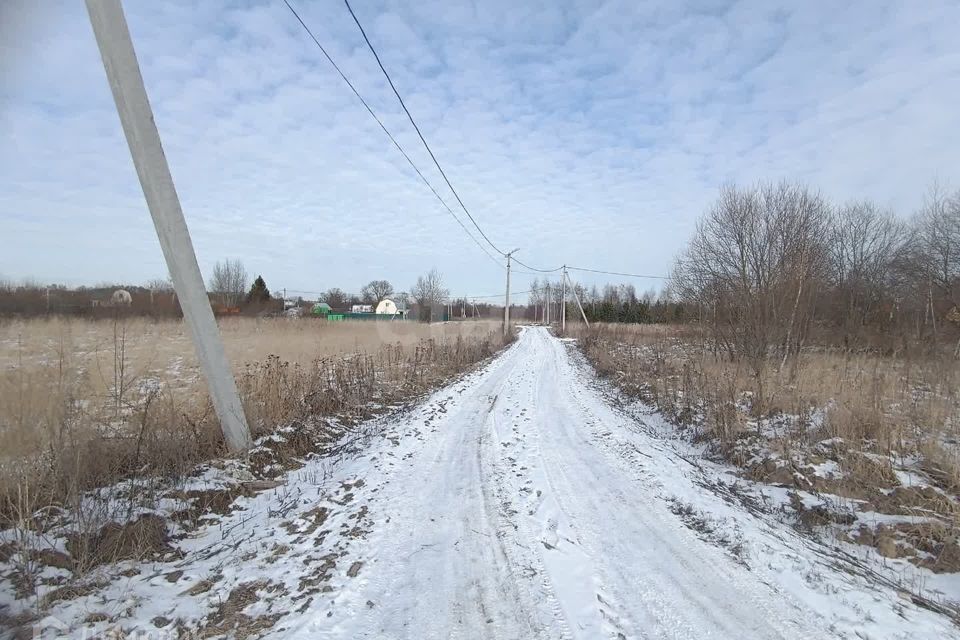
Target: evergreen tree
259, 293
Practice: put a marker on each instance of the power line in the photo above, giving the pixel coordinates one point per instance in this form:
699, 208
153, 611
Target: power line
493, 295
531, 270
390, 135
523, 264
429, 150
617, 273
414, 123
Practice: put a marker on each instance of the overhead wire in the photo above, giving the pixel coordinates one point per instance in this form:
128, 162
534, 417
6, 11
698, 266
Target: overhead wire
417, 128
436, 162
531, 269
525, 265
494, 295
617, 273
389, 135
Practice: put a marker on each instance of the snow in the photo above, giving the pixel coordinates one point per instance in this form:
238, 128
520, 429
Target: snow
518, 502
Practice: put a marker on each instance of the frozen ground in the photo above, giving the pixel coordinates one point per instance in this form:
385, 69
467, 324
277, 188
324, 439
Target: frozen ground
515, 503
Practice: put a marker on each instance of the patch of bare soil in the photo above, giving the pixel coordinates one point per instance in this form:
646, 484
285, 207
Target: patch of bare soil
70, 592
278, 456
206, 502
912, 501
145, 537
929, 545
229, 618
317, 580
307, 524
819, 515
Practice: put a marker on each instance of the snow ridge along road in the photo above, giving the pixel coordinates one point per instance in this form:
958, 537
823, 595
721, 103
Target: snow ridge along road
520, 513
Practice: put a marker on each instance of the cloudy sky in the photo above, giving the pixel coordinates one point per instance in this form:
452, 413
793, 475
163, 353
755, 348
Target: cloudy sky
592, 133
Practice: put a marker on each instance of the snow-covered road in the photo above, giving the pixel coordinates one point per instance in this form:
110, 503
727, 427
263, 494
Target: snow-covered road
526, 511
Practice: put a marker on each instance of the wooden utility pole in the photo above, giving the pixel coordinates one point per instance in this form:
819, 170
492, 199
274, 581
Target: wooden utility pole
136, 117
563, 310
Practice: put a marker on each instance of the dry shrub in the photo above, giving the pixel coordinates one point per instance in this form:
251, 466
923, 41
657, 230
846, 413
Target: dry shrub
894, 405
144, 537
883, 400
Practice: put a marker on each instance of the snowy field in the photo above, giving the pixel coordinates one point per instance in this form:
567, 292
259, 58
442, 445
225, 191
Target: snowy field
518, 502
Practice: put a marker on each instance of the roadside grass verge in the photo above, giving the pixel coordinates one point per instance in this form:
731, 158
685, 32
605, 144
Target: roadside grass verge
865, 445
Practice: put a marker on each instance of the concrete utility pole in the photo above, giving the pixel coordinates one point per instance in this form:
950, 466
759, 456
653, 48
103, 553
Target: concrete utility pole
506, 306
577, 297
563, 310
136, 116
549, 294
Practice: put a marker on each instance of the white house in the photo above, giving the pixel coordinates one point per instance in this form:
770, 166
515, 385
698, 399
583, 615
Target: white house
388, 307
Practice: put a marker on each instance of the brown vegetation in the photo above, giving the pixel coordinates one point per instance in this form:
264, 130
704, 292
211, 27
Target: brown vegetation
886, 426
87, 404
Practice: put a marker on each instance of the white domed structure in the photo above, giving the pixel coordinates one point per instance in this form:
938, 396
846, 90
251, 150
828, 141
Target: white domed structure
121, 298
387, 307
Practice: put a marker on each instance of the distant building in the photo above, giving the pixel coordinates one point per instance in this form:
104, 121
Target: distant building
121, 298
388, 307
361, 308
321, 309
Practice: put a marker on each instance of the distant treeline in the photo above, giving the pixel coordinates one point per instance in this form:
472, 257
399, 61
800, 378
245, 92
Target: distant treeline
611, 303
31, 300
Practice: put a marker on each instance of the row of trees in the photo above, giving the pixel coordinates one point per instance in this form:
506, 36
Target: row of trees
769, 265
610, 303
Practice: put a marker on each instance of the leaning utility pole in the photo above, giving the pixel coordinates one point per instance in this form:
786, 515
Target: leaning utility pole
506, 306
563, 310
577, 298
136, 117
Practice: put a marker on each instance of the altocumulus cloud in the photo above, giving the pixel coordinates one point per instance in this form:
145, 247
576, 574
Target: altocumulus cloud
591, 133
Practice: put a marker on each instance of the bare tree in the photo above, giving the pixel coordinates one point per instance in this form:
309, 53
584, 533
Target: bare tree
428, 292
375, 291
229, 281
536, 297
865, 243
752, 265
160, 285
335, 297
938, 248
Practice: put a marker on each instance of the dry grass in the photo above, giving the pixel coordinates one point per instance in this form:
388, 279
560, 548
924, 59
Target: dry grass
84, 404
162, 348
872, 416
109, 363
884, 401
